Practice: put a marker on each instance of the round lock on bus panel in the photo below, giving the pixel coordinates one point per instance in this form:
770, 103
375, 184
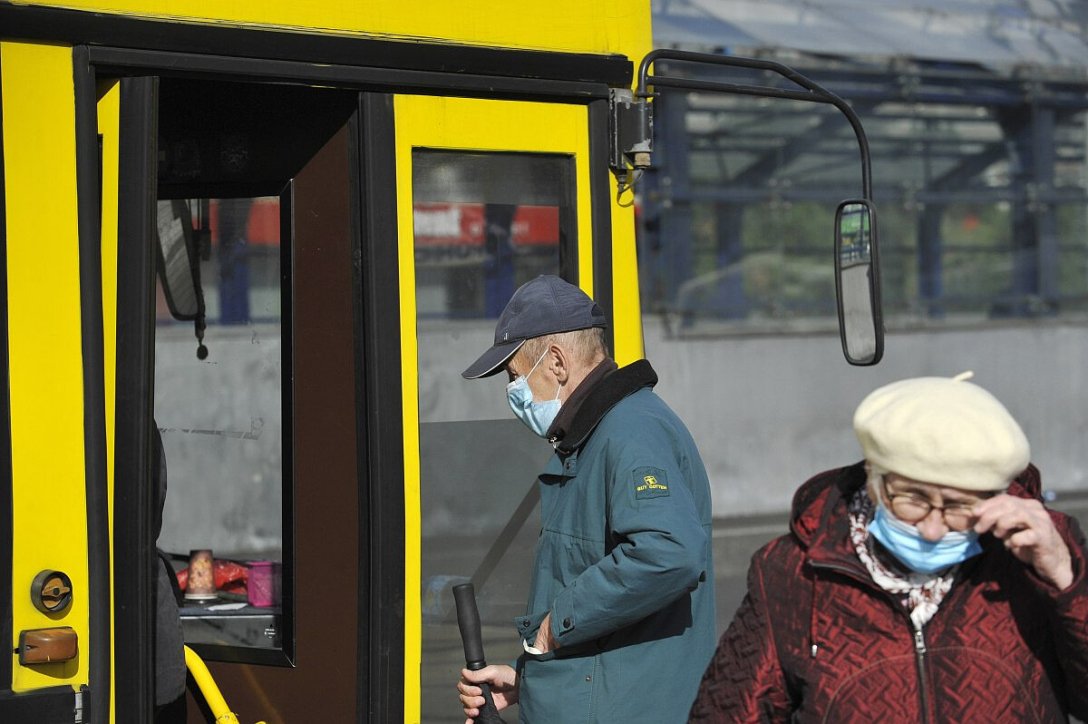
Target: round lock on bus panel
51, 591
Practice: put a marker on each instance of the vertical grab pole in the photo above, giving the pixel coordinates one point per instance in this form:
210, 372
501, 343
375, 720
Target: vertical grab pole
468, 620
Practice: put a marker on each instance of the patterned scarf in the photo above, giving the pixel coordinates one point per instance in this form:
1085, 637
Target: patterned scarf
920, 593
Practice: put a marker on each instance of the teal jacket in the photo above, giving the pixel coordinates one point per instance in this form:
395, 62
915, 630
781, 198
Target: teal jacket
623, 564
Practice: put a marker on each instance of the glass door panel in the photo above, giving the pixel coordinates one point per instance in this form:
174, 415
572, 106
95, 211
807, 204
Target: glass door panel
221, 421
492, 206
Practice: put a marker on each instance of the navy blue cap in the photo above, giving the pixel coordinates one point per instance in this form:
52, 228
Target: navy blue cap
545, 305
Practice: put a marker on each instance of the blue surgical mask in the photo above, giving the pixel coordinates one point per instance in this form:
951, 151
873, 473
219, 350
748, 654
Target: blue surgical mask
915, 552
538, 416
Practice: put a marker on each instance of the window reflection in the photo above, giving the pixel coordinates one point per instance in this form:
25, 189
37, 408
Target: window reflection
483, 224
981, 221
221, 424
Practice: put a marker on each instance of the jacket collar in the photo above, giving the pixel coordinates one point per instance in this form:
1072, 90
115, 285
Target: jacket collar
601, 390
819, 518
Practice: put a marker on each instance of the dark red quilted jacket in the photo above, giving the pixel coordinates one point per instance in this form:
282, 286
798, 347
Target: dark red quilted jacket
816, 641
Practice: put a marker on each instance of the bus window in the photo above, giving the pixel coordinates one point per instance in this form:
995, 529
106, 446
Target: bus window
484, 223
222, 425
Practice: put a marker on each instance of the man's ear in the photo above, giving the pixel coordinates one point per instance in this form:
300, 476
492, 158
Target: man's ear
558, 361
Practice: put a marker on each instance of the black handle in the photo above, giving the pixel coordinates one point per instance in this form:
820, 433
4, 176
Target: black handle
468, 621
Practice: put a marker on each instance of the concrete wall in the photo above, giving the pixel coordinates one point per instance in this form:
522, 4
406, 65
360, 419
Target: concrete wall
766, 411
222, 432
769, 411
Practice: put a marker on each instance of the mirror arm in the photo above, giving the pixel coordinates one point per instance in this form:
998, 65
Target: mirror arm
814, 92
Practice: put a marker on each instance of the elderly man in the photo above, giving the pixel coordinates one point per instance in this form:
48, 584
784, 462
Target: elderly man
620, 620
925, 584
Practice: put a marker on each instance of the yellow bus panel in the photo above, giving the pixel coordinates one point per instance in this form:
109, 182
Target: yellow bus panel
49, 517
603, 26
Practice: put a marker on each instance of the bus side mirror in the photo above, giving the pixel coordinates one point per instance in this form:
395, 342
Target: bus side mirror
179, 266
857, 283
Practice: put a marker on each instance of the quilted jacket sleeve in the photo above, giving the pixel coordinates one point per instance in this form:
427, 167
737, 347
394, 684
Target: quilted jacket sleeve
744, 681
1069, 613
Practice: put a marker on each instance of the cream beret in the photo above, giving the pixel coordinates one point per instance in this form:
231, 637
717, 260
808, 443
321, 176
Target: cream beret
944, 431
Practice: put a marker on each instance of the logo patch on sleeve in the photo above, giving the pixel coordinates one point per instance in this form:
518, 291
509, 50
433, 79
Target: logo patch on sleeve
650, 483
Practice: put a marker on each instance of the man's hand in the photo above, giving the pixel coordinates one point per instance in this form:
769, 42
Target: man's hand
545, 642
502, 680
1029, 534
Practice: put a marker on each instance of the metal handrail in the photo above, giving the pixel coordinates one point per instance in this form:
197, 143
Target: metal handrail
209, 689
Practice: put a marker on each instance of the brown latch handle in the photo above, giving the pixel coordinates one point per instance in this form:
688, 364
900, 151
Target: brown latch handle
47, 645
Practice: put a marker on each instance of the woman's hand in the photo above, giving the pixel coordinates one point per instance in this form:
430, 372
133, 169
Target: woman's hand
1029, 534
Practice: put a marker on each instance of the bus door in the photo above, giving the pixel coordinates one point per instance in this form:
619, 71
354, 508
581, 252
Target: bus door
237, 314
490, 194
326, 462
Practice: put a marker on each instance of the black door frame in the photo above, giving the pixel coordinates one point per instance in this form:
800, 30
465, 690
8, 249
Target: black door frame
380, 662
134, 546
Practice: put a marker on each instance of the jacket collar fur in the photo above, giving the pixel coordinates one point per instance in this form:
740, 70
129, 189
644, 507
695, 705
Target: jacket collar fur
570, 431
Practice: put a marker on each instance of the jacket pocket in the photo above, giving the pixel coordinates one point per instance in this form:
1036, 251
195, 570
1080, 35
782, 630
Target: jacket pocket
554, 689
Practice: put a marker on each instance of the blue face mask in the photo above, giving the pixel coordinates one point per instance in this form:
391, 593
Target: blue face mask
915, 552
538, 416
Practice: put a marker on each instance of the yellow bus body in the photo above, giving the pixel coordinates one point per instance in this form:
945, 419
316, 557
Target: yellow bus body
45, 345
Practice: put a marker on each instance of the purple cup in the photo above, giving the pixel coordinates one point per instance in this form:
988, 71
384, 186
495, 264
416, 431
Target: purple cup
260, 588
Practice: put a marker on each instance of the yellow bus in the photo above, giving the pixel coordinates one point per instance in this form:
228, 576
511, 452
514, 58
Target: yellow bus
274, 232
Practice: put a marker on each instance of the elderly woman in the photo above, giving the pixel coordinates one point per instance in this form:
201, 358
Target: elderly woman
927, 583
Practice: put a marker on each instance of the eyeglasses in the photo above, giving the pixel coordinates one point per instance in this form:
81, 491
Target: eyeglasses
911, 507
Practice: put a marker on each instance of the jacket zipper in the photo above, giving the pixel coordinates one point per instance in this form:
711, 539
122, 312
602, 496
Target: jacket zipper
919, 637
920, 659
